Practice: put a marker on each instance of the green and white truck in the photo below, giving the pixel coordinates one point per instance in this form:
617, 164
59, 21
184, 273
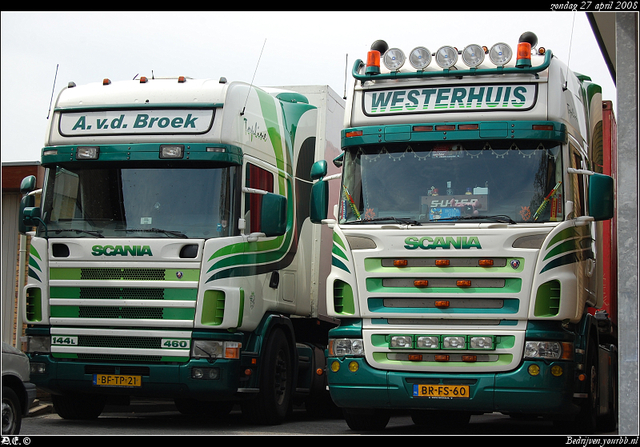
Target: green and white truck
173, 255
467, 257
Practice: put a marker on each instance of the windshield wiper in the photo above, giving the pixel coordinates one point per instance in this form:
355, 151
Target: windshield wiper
92, 233
497, 218
402, 220
156, 230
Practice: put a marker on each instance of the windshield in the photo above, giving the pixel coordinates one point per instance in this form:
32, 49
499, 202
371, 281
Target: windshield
505, 181
140, 202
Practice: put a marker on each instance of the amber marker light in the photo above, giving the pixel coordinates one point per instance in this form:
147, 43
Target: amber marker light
442, 358
442, 262
463, 283
353, 133
415, 357
469, 358
442, 304
421, 283
485, 262
400, 262
542, 127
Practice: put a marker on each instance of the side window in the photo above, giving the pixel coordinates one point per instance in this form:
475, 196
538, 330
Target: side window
257, 178
577, 183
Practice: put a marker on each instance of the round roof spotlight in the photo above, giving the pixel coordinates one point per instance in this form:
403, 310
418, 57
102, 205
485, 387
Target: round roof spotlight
500, 54
420, 58
446, 57
473, 55
393, 59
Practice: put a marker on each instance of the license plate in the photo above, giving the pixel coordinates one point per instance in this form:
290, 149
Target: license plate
442, 391
117, 380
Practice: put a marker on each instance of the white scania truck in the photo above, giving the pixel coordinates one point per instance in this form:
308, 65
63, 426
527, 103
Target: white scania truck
467, 257
173, 254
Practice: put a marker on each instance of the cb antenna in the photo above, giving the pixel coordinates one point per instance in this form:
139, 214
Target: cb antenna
53, 89
346, 67
252, 79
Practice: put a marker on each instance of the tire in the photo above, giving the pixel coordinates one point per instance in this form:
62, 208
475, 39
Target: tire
84, 407
11, 412
366, 420
276, 383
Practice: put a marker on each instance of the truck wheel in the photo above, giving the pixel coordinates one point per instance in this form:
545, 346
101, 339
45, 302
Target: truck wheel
83, 407
366, 420
11, 412
276, 383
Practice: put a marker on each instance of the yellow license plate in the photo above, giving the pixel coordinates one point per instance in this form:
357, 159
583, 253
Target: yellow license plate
443, 391
117, 380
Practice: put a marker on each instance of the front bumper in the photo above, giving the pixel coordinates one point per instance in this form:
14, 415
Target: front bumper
514, 392
156, 380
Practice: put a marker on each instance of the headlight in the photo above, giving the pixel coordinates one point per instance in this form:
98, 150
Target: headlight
453, 342
401, 341
38, 344
340, 347
393, 59
215, 349
420, 58
500, 54
427, 342
446, 57
473, 55
548, 350
481, 342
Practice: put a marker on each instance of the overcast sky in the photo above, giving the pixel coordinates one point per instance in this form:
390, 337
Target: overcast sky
302, 48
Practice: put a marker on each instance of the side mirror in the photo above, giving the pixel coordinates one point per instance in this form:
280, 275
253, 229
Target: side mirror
600, 197
319, 200
319, 169
27, 185
273, 220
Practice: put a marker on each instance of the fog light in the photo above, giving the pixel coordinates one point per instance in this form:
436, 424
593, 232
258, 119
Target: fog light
534, 370
37, 368
556, 370
353, 366
205, 373
335, 366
